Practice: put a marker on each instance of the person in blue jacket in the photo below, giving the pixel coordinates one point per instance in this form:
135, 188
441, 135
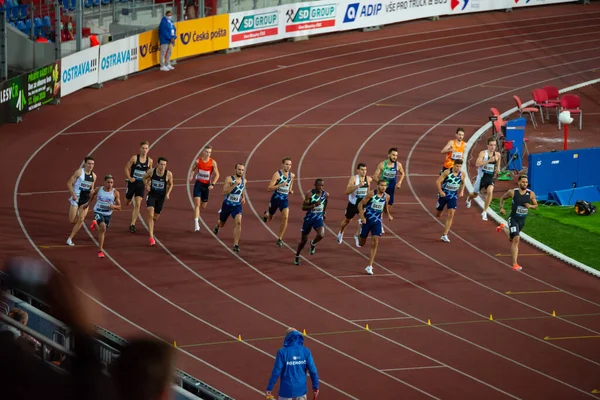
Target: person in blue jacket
292, 362
166, 35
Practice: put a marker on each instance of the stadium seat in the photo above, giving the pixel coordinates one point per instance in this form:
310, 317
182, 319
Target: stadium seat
23, 11
571, 103
21, 26
529, 110
499, 122
88, 3
46, 21
540, 98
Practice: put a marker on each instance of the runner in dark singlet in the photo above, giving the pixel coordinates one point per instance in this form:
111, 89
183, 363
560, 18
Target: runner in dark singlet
357, 188
523, 200
159, 183
136, 168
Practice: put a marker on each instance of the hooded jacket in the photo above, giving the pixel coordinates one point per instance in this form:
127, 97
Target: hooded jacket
166, 31
292, 362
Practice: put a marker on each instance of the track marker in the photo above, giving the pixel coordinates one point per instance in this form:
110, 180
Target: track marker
572, 337
240, 338
553, 313
491, 318
367, 327
175, 344
304, 332
595, 391
428, 322
535, 292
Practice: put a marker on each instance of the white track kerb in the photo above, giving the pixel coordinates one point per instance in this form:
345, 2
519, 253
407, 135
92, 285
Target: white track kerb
491, 213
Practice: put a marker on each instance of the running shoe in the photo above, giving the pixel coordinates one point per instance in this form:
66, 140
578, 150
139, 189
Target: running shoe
279, 243
70, 242
236, 248
517, 267
313, 249
369, 270
196, 226
500, 227
297, 260
216, 230
93, 225
132, 228
265, 218
356, 240
340, 237
445, 238
468, 203
152, 242
100, 254
484, 216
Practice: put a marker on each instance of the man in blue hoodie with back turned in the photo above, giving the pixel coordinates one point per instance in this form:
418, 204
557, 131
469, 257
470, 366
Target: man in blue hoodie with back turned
291, 363
166, 35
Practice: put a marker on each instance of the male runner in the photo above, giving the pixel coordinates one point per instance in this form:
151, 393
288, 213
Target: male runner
523, 200
80, 186
159, 183
135, 169
315, 205
234, 191
370, 210
206, 174
357, 188
388, 170
281, 185
450, 186
454, 149
107, 200
488, 164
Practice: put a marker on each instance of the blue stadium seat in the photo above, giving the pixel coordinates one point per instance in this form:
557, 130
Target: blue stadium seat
21, 26
46, 21
96, 3
72, 4
105, 2
88, 4
23, 11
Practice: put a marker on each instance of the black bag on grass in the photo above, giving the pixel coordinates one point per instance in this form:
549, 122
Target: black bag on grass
583, 207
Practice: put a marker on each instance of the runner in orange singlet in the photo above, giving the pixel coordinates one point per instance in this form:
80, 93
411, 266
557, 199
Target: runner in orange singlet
454, 149
205, 172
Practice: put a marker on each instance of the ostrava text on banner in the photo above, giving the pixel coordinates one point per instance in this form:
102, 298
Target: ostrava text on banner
202, 35
118, 59
310, 18
256, 26
79, 70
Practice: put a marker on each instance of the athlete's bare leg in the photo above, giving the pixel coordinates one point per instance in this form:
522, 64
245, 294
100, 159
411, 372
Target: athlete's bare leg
237, 230
374, 245
449, 220
284, 222
135, 213
80, 218
101, 233
73, 214
152, 217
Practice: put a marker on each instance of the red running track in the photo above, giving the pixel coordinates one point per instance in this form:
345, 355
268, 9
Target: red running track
328, 103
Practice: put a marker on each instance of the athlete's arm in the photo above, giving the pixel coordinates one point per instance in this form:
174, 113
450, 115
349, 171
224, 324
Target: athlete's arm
447, 148
440, 180
193, 170
325, 205
507, 195
131, 161
215, 174
94, 181
228, 185
386, 209
243, 200
292, 183
273, 184
169, 183
117, 205
369, 180
461, 190
306, 204
146, 179
71, 182
150, 162
92, 197
361, 205
351, 187
480, 162
497, 158
377, 173
534, 203
402, 174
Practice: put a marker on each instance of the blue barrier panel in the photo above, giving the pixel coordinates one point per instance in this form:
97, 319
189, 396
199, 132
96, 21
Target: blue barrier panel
569, 197
564, 170
515, 132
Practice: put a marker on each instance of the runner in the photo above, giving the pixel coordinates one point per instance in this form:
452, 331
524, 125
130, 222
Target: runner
315, 205
450, 186
357, 188
523, 200
370, 210
488, 164
107, 200
159, 183
206, 174
454, 149
80, 186
136, 168
234, 191
388, 170
282, 183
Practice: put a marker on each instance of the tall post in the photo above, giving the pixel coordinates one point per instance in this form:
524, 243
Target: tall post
3, 46
57, 39
79, 22
566, 130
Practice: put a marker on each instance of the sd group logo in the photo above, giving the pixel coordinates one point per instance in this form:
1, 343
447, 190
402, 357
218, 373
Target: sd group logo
354, 11
254, 26
310, 18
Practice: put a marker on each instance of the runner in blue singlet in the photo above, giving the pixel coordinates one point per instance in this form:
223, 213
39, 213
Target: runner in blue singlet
370, 210
281, 185
450, 186
387, 171
234, 191
315, 205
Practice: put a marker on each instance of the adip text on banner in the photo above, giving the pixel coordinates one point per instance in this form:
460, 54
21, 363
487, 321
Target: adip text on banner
310, 18
256, 26
79, 70
118, 59
201, 36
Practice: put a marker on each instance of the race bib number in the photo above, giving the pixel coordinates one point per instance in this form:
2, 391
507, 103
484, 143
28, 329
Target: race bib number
138, 174
318, 209
513, 229
158, 185
452, 187
522, 210
457, 155
85, 185
489, 168
388, 174
283, 189
234, 198
362, 192
377, 206
203, 175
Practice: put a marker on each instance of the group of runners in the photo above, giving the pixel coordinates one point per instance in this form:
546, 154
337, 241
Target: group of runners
155, 183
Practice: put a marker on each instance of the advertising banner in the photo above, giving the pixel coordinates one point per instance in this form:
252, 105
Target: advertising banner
13, 99
527, 3
149, 50
202, 35
79, 70
310, 18
118, 59
255, 26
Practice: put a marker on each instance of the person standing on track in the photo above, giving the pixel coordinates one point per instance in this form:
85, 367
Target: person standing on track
107, 200
523, 200
136, 168
388, 170
315, 205
450, 186
80, 186
206, 174
234, 190
292, 363
370, 210
454, 149
281, 185
159, 183
488, 164
357, 188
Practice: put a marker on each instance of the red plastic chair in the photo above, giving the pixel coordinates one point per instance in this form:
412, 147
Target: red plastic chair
571, 103
499, 123
553, 97
529, 110
540, 98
